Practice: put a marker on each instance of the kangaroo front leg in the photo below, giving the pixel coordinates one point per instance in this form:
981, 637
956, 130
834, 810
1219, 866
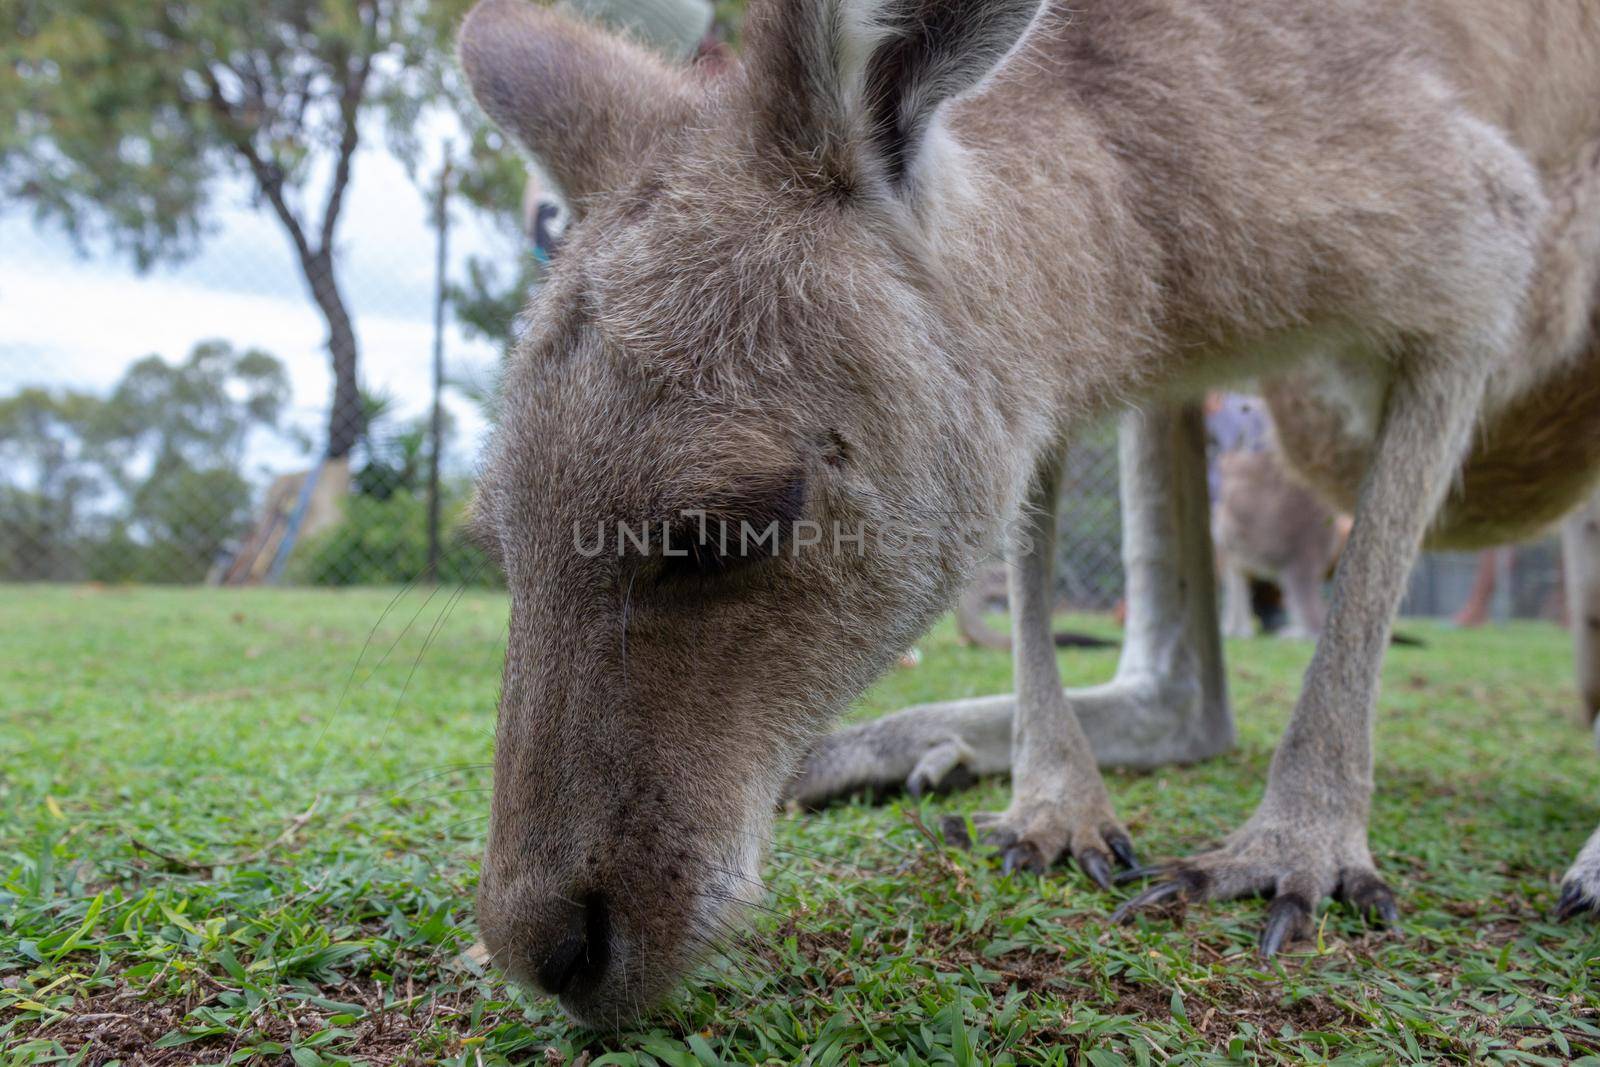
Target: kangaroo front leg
1302, 594
1308, 838
1168, 702
1236, 618
1059, 803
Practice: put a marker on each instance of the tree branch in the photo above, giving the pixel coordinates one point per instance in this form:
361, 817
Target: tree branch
268, 178
355, 87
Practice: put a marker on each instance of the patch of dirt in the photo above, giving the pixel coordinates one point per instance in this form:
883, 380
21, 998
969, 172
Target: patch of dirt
123, 1024
1263, 1005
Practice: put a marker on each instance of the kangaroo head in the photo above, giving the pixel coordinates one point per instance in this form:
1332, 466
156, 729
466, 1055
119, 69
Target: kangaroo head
724, 483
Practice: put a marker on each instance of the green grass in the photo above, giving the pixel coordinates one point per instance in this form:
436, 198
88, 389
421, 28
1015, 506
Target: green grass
221, 842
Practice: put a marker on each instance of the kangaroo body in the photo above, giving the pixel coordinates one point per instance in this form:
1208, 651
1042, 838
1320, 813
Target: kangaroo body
781, 289
1267, 525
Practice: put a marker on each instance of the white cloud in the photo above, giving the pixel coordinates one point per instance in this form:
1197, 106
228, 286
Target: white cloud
74, 321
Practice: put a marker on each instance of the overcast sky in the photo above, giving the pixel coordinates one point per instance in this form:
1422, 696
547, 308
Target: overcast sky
67, 319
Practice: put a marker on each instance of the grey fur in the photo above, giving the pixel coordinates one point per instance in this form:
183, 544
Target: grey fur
1168, 702
753, 317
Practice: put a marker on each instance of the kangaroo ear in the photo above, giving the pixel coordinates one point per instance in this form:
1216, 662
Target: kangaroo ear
587, 105
851, 90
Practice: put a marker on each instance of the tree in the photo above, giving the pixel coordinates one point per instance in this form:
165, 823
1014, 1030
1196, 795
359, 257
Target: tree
195, 415
119, 119
50, 481
145, 483
172, 439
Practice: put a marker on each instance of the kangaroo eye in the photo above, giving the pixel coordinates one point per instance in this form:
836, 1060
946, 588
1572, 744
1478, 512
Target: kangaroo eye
740, 526
696, 550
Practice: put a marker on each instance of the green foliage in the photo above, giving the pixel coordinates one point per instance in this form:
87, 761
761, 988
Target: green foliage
395, 456
267, 836
119, 119
729, 19
384, 541
196, 412
184, 519
486, 304
117, 116
49, 479
142, 485
491, 174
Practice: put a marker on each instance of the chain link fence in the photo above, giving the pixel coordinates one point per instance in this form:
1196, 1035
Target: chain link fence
80, 501
206, 462
97, 487
186, 424
1089, 528
1518, 582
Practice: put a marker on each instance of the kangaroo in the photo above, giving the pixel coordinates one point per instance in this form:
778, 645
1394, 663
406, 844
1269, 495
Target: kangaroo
1265, 523
897, 216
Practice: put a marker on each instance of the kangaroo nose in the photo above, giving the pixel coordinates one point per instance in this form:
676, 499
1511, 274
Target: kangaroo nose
578, 956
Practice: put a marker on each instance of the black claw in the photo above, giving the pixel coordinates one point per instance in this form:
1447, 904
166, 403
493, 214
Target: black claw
1574, 901
1369, 897
1022, 856
1154, 895
1287, 917
1122, 848
1097, 865
1140, 874
960, 777
999, 837
954, 829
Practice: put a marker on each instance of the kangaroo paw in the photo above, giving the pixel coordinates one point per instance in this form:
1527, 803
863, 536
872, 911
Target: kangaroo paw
1580, 886
932, 748
1296, 868
944, 768
1576, 899
1033, 839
